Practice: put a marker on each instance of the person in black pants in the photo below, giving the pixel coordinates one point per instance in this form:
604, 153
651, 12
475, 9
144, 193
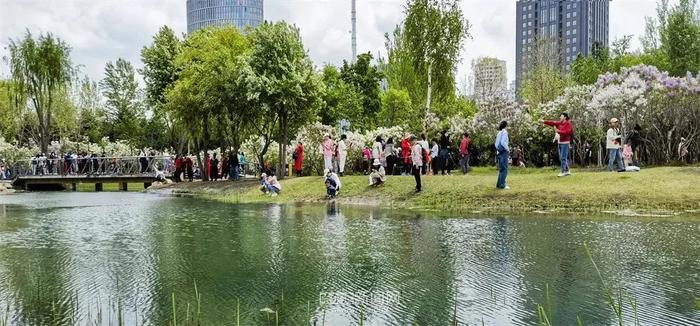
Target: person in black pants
417, 161
445, 165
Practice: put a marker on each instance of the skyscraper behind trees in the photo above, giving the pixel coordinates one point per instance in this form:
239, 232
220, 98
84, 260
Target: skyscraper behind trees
490, 79
239, 13
572, 26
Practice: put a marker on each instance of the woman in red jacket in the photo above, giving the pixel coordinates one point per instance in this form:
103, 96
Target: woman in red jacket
298, 157
565, 130
406, 155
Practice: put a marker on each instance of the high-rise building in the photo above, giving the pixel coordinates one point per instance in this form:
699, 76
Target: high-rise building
569, 27
490, 79
239, 13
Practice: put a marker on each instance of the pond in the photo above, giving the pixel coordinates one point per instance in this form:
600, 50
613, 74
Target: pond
77, 258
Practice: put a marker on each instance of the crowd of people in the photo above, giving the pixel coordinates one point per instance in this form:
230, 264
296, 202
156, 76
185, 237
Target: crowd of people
411, 155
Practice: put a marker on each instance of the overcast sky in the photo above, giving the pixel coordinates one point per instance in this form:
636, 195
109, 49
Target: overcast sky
104, 30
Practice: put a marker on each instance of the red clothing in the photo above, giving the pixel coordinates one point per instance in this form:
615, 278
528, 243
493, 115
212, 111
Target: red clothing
464, 146
178, 163
300, 158
566, 129
406, 150
188, 163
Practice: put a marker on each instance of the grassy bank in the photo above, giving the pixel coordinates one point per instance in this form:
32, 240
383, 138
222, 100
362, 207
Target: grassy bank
654, 190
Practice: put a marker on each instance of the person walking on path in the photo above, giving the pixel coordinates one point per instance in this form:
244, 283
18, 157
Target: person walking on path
464, 153
565, 129
417, 159
328, 150
298, 157
342, 154
613, 144
503, 152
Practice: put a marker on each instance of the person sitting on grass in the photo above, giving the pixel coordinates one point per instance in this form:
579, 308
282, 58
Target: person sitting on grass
378, 175
269, 184
332, 182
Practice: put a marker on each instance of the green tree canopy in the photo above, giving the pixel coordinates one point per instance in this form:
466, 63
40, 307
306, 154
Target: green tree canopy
433, 32
125, 113
284, 81
41, 68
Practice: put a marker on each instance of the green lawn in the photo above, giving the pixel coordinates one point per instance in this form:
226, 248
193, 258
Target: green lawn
675, 189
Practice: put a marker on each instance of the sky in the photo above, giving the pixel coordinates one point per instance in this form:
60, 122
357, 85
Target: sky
100, 31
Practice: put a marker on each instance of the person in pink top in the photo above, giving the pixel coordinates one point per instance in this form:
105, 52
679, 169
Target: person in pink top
328, 149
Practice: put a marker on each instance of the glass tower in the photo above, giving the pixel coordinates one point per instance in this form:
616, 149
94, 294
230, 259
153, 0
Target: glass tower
239, 13
569, 27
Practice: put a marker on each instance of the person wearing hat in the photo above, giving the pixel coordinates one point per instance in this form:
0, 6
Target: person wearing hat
564, 130
613, 145
332, 183
378, 175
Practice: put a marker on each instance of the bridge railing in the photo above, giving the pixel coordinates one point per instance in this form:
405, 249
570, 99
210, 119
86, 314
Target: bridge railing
95, 166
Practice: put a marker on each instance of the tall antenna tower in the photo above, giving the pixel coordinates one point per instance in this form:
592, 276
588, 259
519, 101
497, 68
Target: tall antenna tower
354, 30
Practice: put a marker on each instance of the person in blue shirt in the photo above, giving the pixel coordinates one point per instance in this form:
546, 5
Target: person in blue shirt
503, 152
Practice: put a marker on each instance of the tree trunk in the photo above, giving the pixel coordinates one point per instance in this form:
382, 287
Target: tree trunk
428, 96
282, 158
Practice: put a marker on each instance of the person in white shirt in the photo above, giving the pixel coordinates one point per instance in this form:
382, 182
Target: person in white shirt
342, 154
613, 144
434, 152
417, 160
378, 175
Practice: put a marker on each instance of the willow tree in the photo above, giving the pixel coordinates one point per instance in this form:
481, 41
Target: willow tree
434, 32
284, 81
41, 69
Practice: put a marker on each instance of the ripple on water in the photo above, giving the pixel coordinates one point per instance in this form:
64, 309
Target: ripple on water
394, 271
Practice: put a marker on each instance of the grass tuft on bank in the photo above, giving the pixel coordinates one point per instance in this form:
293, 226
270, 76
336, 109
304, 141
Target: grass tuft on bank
664, 189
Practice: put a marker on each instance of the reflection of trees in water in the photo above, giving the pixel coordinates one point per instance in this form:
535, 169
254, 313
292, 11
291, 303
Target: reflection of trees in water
35, 283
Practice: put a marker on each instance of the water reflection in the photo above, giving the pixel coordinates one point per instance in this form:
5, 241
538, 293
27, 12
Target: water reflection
67, 257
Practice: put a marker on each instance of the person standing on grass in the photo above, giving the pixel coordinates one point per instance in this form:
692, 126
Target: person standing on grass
342, 154
445, 153
613, 144
406, 155
434, 153
565, 130
328, 149
233, 165
389, 158
298, 157
464, 153
426, 153
503, 152
417, 159
635, 139
189, 168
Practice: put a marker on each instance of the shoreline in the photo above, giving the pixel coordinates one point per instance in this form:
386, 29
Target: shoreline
654, 192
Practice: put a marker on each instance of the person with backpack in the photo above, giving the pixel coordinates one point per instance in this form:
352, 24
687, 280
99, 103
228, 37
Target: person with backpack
417, 160
464, 153
298, 157
503, 150
564, 129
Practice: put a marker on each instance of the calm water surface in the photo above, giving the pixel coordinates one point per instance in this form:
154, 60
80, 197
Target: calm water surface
69, 258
